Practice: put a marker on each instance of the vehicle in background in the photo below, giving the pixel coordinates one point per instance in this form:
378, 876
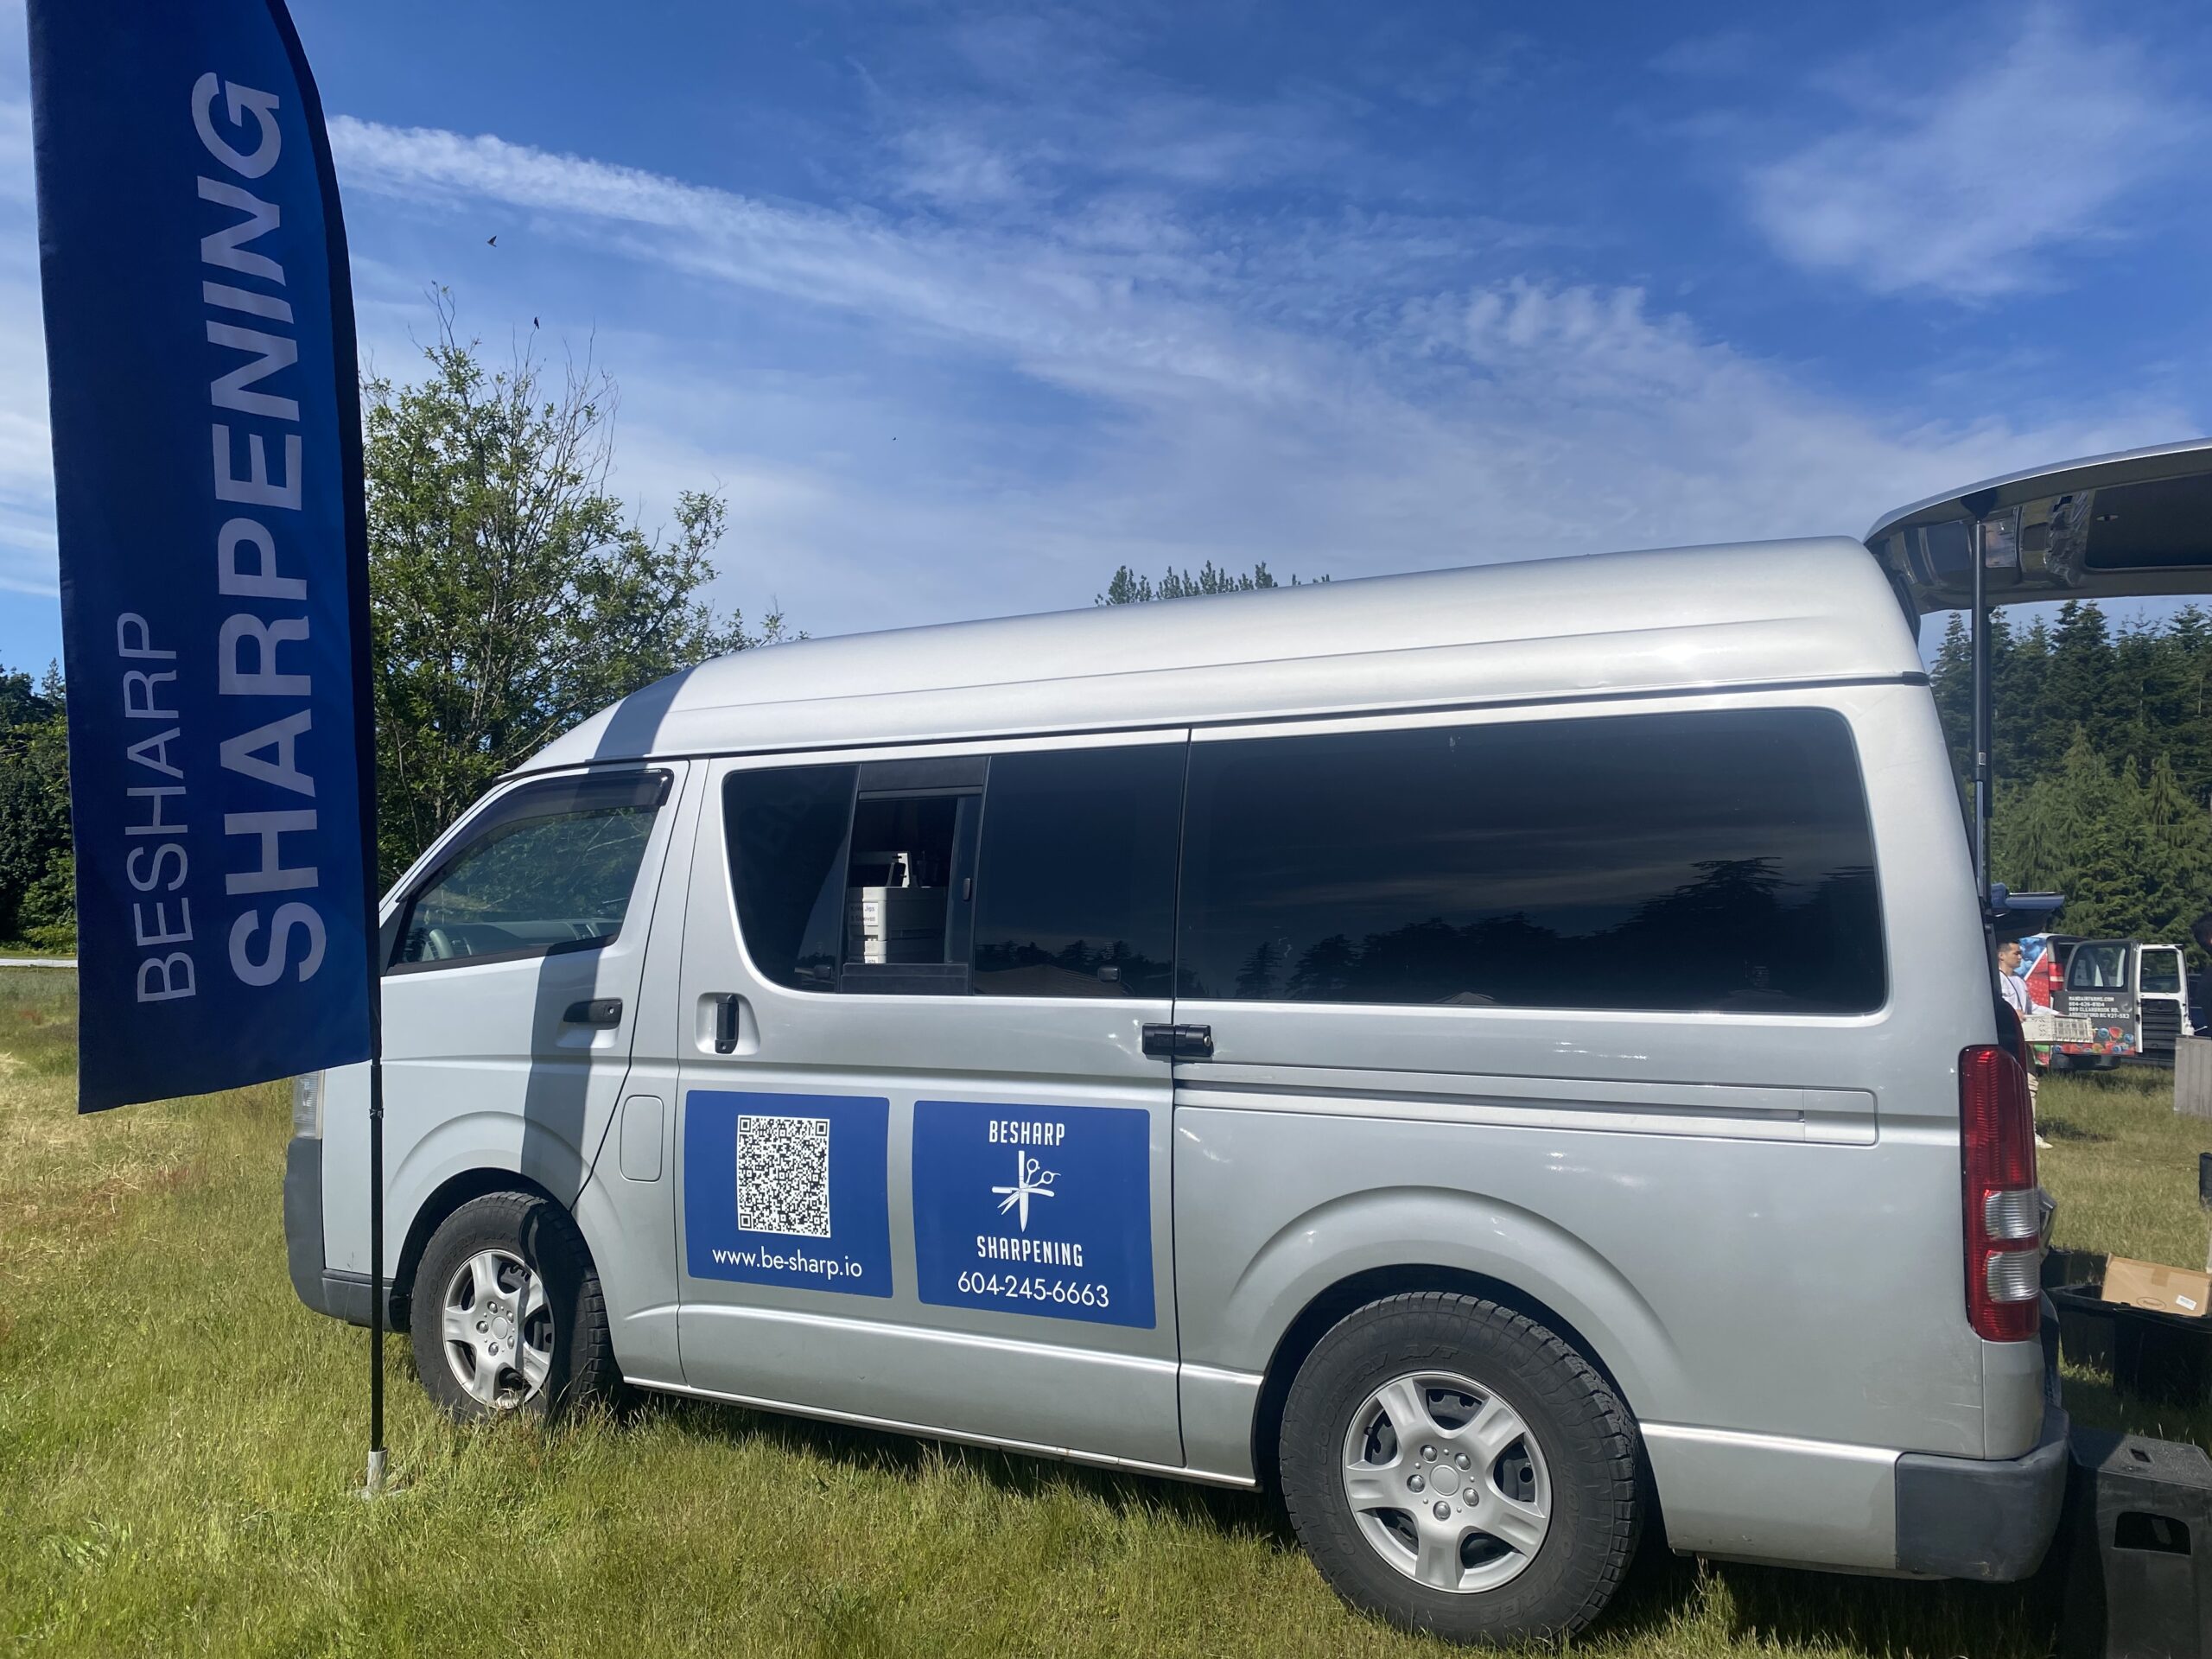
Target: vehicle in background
2110, 1000
2043, 966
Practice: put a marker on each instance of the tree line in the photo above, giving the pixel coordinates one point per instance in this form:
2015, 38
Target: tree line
1128, 588
2101, 742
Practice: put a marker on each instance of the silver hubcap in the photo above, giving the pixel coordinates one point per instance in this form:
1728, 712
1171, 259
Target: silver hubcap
1446, 1482
499, 1331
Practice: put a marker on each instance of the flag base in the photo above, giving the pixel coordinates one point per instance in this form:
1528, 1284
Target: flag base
374, 1488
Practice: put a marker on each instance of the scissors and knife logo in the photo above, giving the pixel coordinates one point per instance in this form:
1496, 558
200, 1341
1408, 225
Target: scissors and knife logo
1031, 1180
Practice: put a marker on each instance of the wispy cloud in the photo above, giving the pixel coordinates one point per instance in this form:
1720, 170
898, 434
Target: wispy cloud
1053, 308
1249, 391
1967, 182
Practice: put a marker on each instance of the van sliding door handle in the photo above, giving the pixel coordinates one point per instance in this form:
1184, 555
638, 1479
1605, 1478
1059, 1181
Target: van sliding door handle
599, 1011
1178, 1042
726, 1007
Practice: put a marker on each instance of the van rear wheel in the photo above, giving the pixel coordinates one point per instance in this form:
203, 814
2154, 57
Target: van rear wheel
1454, 1467
506, 1313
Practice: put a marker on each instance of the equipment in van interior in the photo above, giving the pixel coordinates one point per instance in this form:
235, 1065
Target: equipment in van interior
909, 886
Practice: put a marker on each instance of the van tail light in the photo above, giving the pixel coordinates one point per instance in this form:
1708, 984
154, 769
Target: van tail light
2004, 1211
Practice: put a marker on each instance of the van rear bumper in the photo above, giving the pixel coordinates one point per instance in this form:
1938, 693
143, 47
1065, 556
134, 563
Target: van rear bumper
1965, 1518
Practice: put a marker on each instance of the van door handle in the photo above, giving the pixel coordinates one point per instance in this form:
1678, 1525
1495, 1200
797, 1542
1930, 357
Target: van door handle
726, 1023
1178, 1042
599, 1011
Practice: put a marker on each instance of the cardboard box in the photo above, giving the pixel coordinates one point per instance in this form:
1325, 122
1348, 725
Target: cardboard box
2167, 1290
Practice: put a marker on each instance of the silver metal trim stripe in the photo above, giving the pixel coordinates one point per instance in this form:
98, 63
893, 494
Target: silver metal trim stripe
1028, 1448
1831, 1116
1841, 1450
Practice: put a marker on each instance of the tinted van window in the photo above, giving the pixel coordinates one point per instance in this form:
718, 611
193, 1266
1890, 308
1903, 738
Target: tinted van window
1076, 886
1716, 861
787, 828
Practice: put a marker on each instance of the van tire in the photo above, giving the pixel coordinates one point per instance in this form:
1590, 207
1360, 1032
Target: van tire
530, 1229
1584, 1437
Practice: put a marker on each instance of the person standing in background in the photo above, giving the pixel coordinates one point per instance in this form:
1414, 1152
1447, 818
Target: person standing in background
2015, 987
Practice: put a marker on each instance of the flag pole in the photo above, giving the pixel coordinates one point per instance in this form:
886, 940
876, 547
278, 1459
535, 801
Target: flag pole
345, 355
374, 1486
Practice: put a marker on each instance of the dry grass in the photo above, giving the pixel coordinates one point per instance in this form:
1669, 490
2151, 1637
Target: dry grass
180, 1444
2123, 1167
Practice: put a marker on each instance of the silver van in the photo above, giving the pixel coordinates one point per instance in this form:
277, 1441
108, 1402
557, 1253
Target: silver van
1495, 1056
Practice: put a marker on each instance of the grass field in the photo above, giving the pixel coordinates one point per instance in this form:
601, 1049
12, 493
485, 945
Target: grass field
181, 1444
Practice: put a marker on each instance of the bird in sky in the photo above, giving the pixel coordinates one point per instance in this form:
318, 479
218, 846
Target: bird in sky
491, 241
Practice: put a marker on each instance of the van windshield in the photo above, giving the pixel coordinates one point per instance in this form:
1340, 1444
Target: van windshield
2162, 972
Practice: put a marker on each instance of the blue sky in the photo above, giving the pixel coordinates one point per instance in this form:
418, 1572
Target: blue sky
962, 307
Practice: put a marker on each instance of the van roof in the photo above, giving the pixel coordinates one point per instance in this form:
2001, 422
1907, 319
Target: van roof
1599, 625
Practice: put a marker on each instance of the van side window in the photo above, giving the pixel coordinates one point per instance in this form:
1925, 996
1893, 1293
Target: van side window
1075, 890
547, 868
786, 828
1715, 860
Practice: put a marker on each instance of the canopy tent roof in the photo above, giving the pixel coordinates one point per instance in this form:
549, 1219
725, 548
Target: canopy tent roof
2120, 526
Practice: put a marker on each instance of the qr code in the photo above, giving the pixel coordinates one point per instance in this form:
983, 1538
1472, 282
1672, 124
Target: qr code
783, 1175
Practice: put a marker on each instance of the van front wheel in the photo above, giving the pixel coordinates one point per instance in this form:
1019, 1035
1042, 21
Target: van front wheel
1455, 1467
506, 1313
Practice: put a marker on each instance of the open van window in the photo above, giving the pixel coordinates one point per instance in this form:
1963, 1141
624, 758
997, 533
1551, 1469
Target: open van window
910, 877
546, 868
1046, 874
2161, 972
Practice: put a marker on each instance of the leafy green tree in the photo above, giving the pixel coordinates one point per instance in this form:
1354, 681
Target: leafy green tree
2179, 848
2084, 831
1951, 676
37, 899
2080, 687
1128, 588
511, 594
2032, 841
2103, 815
2103, 755
2188, 739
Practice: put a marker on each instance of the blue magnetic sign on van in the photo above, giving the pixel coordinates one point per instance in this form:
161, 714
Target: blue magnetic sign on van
788, 1190
1044, 1209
